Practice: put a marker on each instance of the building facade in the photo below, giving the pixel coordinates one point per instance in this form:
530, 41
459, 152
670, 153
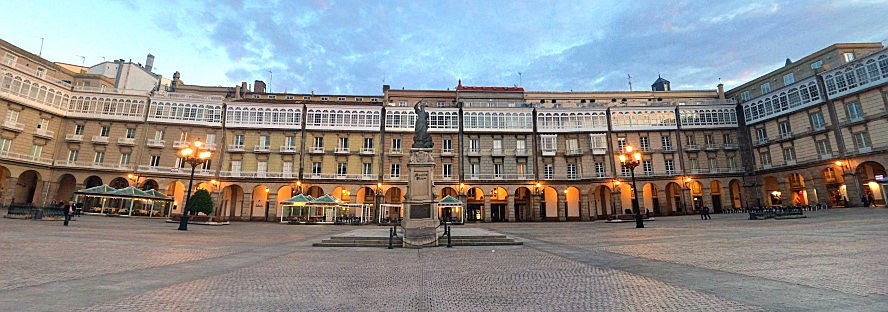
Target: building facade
508, 153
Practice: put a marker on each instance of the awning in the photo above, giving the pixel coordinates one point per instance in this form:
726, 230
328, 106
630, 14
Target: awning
97, 190
449, 200
132, 192
324, 200
156, 195
298, 200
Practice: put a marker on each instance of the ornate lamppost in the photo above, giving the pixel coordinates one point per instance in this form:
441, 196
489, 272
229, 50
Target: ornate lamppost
378, 202
194, 154
631, 160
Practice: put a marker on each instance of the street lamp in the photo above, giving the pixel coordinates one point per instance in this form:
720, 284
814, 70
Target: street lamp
298, 188
845, 165
631, 160
134, 178
194, 154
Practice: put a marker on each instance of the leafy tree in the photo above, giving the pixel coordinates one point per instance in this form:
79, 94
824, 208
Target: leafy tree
201, 201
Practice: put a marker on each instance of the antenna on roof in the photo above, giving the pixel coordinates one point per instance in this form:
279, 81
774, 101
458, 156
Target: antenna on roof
629, 77
41, 48
82, 60
520, 81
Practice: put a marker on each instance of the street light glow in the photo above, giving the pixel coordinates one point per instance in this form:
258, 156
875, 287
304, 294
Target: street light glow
186, 151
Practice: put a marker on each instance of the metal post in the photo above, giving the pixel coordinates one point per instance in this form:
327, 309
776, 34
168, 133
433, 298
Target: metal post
639, 222
183, 221
391, 236
448, 229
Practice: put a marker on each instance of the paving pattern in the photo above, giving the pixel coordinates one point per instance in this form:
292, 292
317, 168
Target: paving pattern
830, 261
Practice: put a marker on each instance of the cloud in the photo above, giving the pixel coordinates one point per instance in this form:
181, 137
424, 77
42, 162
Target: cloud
356, 46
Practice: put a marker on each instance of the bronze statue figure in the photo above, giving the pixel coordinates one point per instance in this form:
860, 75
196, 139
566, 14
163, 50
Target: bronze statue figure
421, 139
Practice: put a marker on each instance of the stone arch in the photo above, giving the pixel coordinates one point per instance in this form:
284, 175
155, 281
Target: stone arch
625, 197
394, 196
474, 204
499, 201
342, 193
715, 194
365, 195
445, 191
674, 198
602, 201
771, 190
572, 202
284, 193
550, 198
798, 194
232, 200
92, 181
315, 191
868, 173
26, 187
150, 184
736, 193
67, 186
696, 191
259, 203
651, 198
523, 200
176, 190
119, 183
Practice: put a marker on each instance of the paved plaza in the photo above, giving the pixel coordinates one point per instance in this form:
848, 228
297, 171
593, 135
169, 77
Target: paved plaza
831, 261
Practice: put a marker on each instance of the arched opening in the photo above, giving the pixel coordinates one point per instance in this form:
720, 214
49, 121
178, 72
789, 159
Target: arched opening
118, 203
26, 187
119, 183
796, 182
393, 196
342, 194
835, 186
651, 199
232, 201
474, 204
550, 197
92, 181
572, 197
176, 190
4, 179
870, 175
771, 189
315, 191
390, 214
365, 195
736, 194
284, 193
602, 202
696, 189
259, 203
674, 198
715, 191
150, 185
625, 198
523, 202
499, 199
67, 186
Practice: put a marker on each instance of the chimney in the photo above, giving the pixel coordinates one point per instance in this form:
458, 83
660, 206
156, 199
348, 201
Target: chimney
721, 91
244, 89
149, 62
259, 86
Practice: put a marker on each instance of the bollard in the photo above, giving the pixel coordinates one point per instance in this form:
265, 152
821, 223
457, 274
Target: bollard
391, 236
448, 229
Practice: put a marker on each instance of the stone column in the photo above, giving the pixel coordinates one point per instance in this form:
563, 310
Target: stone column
535, 204
9, 192
246, 205
852, 187
562, 206
510, 208
585, 204
271, 212
823, 195
485, 212
617, 205
786, 193
813, 193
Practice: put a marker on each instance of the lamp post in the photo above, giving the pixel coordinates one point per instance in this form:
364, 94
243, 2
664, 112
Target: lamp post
134, 178
538, 193
194, 154
297, 189
378, 202
631, 160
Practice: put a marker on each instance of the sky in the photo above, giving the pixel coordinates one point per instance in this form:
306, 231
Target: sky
355, 47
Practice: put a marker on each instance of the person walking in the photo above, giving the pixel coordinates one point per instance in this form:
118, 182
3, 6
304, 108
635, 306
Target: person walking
67, 210
706, 213
702, 213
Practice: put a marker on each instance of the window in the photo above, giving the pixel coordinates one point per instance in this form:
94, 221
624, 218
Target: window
823, 148
621, 144
236, 166
708, 139
316, 168
155, 161
817, 121
447, 170
475, 168
287, 167
124, 159
548, 171
306, 97
667, 143
78, 129
861, 140
340, 99
99, 158
789, 154
571, 171
645, 143
624, 171
766, 87
290, 141
341, 169
474, 145
368, 144
765, 158
180, 162
239, 139
713, 164
262, 166
849, 56
41, 72
367, 169
207, 164
318, 142
130, 133
647, 167
12, 116
106, 130
264, 141
762, 135
324, 98
817, 64
497, 145
36, 151
43, 124
732, 163
521, 169
785, 130
158, 134
854, 111
548, 143
727, 138
183, 136
669, 164
9, 60
691, 140
744, 96
72, 155
447, 145
573, 146
395, 170
396, 144
498, 170
694, 164
521, 145
788, 79
5, 144
599, 169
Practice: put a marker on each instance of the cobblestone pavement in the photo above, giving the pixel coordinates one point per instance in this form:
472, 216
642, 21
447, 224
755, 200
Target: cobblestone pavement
830, 261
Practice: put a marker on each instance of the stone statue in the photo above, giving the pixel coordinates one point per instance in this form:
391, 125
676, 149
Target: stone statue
422, 139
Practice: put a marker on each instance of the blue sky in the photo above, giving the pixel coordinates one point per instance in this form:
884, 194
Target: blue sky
357, 46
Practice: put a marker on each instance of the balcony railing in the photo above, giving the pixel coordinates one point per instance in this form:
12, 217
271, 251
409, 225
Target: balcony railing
126, 141
790, 162
731, 146
258, 174
316, 150
342, 150
446, 152
14, 126
762, 141
865, 149
826, 156
599, 151
74, 137
26, 158
573, 152
473, 152
235, 148
367, 151
210, 146
98, 139
173, 170
692, 147
712, 147
549, 152
785, 135
288, 149
155, 143
180, 144
521, 152
261, 149
393, 177
43, 133
501, 176
497, 152
396, 152
93, 165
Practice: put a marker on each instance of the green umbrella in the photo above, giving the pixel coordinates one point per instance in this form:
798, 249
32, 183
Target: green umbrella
450, 200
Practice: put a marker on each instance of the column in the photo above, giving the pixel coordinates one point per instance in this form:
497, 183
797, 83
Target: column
785, 193
246, 205
585, 206
510, 208
823, 195
813, 194
562, 206
9, 192
617, 203
535, 202
485, 212
272, 211
853, 189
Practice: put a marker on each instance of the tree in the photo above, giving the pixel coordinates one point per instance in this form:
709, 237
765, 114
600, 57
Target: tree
201, 201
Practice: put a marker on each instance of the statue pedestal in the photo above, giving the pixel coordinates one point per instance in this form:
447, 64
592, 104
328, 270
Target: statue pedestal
420, 216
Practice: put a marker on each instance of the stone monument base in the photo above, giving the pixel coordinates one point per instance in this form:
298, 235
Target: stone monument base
421, 233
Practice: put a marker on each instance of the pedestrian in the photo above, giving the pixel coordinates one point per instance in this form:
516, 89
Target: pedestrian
864, 200
67, 210
706, 213
871, 200
702, 213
